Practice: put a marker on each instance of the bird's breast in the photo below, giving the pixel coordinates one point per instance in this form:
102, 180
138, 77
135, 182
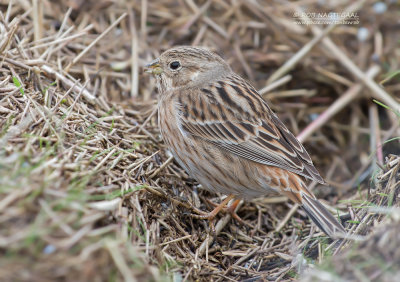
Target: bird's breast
168, 121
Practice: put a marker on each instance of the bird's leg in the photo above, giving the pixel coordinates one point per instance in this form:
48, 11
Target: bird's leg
232, 210
211, 215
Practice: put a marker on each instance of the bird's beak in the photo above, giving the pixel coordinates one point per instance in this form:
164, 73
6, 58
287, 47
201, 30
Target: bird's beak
153, 67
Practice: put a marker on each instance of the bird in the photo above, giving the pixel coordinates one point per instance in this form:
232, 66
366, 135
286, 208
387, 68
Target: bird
225, 135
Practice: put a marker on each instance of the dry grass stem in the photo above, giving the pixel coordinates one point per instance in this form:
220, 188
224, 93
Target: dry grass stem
88, 190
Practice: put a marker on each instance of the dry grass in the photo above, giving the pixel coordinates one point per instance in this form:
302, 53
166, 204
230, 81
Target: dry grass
376, 258
89, 192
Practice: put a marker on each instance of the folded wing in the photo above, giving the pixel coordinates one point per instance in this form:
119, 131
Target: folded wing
232, 115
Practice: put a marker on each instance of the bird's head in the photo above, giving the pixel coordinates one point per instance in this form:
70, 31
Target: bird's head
186, 67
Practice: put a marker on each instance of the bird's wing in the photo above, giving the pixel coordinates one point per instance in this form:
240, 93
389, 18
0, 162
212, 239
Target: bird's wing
232, 115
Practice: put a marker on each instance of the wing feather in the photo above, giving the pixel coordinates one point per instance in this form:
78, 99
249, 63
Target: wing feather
238, 120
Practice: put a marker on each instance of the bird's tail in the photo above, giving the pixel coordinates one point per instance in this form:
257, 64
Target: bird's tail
314, 209
322, 217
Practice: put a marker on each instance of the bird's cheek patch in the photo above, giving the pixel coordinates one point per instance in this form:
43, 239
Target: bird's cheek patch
194, 75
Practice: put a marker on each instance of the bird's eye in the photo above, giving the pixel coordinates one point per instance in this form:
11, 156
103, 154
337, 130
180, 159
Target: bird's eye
174, 65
